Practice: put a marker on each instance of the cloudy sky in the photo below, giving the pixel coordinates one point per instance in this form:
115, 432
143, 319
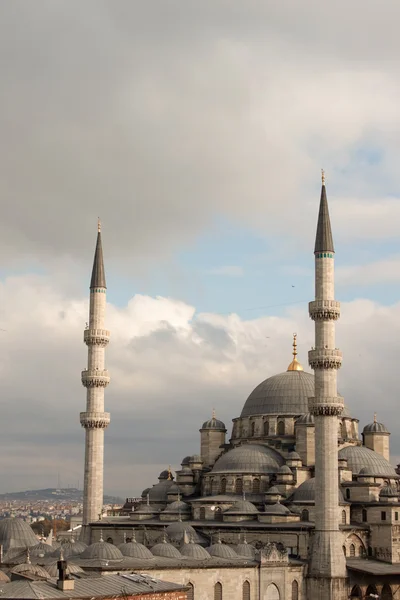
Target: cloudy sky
197, 132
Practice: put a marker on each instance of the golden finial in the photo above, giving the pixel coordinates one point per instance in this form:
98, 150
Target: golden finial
98, 224
323, 176
169, 473
374, 417
295, 365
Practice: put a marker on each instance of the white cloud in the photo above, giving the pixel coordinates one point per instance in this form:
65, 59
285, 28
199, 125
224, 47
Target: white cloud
227, 271
378, 272
168, 370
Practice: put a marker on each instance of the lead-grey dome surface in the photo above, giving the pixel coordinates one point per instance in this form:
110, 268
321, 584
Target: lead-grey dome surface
250, 458
41, 549
16, 533
222, 551
214, 423
306, 492
375, 427
177, 507
102, 551
52, 568
70, 549
372, 463
195, 551
166, 550
388, 492
283, 394
35, 570
135, 550
177, 530
243, 507
245, 549
276, 509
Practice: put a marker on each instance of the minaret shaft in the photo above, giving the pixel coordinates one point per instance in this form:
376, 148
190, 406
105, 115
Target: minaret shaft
327, 564
95, 378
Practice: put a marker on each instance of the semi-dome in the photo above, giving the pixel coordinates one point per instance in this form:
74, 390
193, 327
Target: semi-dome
372, 463
194, 551
250, 458
220, 550
16, 533
185, 461
306, 492
245, 549
159, 491
243, 507
29, 568
294, 456
285, 470
177, 531
52, 568
102, 551
214, 423
166, 550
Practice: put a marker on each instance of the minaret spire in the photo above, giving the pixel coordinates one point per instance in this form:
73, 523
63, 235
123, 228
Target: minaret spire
95, 379
327, 570
295, 365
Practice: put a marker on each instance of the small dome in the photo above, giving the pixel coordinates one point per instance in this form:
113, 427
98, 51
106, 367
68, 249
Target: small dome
388, 492
174, 489
249, 458
220, 550
276, 509
145, 492
135, 550
176, 531
70, 549
102, 551
285, 470
186, 470
273, 491
166, 550
375, 427
16, 533
196, 458
195, 551
41, 549
159, 491
306, 492
247, 550
3, 577
306, 419
164, 474
177, 507
185, 461
359, 457
294, 456
30, 569
146, 509
52, 569
214, 423
243, 507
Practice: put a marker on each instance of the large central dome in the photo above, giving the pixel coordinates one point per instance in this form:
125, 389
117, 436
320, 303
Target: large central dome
286, 393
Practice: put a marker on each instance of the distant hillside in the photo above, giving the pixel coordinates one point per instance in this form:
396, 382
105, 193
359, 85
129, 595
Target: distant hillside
54, 494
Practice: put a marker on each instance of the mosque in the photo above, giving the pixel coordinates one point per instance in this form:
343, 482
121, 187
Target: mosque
293, 505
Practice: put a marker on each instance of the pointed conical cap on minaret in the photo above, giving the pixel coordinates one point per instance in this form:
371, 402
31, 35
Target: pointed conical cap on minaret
324, 240
98, 275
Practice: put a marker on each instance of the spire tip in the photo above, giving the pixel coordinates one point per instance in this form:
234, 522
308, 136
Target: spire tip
323, 176
98, 225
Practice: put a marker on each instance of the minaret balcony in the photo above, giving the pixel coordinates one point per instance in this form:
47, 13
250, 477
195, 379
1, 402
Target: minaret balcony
324, 310
95, 378
95, 420
324, 358
96, 337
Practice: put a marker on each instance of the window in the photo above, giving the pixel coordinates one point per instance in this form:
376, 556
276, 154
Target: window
347, 494
372, 591
281, 428
386, 592
266, 428
272, 592
305, 516
218, 591
356, 592
361, 551
246, 591
344, 550
295, 590
352, 550
223, 486
253, 429
190, 592
396, 516
239, 486
364, 515
202, 514
110, 540
343, 517
256, 486
383, 515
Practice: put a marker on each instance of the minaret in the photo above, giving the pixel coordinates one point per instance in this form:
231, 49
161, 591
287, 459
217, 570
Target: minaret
327, 568
95, 379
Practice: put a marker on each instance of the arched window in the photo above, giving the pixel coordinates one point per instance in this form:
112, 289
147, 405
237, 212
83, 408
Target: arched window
239, 486
364, 515
281, 428
202, 514
218, 591
355, 592
361, 551
272, 592
347, 494
218, 514
110, 540
343, 517
190, 592
256, 486
344, 550
305, 516
371, 591
386, 592
352, 550
253, 429
266, 428
223, 486
295, 590
246, 591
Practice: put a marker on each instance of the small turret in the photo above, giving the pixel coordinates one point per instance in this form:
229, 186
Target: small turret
376, 437
212, 437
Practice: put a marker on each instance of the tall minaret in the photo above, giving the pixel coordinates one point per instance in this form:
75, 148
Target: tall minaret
95, 379
327, 569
